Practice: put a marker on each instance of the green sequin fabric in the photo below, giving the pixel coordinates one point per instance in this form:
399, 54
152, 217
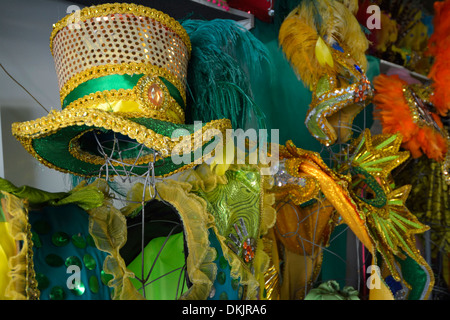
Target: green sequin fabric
236, 210
67, 263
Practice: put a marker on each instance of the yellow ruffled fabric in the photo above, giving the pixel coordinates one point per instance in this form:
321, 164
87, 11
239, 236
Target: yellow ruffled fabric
108, 228
202, 178
22, 284
196, 220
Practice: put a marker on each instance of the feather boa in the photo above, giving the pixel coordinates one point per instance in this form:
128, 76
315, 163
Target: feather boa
392, 110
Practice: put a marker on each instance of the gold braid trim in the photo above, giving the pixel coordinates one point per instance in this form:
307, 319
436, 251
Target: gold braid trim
122, 8
27, 131
125, 68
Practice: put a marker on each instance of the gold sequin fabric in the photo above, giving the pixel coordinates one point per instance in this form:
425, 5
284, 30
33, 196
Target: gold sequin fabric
118, 34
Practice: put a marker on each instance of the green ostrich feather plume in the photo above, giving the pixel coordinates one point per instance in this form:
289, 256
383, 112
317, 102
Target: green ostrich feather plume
225, 57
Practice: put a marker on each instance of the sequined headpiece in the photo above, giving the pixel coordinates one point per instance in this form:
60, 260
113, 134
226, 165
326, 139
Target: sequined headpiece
407, 109
121, 69
325, 46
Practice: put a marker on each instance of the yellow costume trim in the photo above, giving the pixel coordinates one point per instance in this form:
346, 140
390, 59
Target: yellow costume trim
196, 222
22, 283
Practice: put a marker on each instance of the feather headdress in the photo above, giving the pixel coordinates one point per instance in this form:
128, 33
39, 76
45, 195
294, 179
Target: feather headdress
313, 23
399, 112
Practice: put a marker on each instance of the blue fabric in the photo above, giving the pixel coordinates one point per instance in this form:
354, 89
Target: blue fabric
224, 287
72, 220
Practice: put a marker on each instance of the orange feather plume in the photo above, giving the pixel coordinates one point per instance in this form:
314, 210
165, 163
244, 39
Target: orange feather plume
438, 47
393, 111
439, 40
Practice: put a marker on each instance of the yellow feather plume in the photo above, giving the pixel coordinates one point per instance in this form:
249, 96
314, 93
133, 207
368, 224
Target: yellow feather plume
299, 37
352, 5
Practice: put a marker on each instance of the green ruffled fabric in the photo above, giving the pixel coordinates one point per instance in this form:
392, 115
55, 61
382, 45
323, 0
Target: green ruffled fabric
87, 197
330, 290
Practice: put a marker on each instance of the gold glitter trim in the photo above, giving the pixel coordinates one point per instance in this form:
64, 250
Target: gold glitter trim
94, 99
118, 122
422, 93
360, 92
122, 8
128, 68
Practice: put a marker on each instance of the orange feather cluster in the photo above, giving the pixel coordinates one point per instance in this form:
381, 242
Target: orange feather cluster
392, 110
439, 48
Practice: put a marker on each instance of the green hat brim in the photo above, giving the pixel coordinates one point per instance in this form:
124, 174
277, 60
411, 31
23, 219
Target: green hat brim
55, 141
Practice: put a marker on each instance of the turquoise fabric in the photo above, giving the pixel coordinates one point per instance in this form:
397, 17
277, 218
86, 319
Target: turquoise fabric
73, 221
224, 287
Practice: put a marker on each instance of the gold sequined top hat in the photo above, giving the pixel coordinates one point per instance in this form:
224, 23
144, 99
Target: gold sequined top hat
122, 72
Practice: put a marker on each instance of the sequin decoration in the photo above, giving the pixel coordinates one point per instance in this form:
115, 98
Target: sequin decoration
79, 241
65, 271
90, 241
336, 101
36, 240
389, 222
42, 280
57, 293
283, 178
79, 289
112, 34
73, 261
155, 95
223, 296
212, 293
93, 284
60, 239
105, 277
54, 260
299, 189
89, 261
249, 249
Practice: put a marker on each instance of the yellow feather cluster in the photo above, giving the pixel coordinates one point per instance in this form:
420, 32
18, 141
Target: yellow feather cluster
300, 38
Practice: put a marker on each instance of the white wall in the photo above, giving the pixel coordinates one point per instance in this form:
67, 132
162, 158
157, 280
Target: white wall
25, 27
